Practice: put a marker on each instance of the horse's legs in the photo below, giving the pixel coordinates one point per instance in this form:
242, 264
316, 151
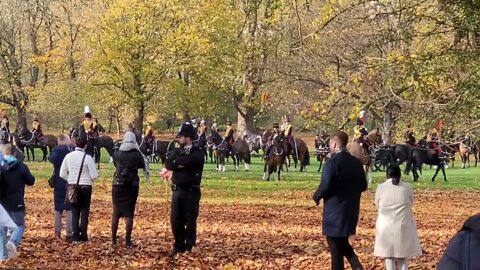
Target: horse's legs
439, 167
414, 172
279, 169
320, 166
264, 171
443, 172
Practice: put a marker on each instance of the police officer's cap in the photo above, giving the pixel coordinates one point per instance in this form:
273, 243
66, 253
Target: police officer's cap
187, 130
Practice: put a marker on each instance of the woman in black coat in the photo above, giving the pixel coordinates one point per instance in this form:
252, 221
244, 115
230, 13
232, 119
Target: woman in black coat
60, 187
127, 160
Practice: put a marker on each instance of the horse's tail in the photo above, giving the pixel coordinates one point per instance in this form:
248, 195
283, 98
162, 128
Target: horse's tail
306, 159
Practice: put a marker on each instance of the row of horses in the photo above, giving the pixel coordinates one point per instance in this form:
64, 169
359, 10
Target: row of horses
415, 156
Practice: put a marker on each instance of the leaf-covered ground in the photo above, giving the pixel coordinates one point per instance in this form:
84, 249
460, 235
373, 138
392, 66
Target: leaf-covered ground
244, 224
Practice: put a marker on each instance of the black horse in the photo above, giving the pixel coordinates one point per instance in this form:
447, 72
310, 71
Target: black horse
421, 156
322, 148
94, 146
221, 150
157, 151
27, 141
242, 150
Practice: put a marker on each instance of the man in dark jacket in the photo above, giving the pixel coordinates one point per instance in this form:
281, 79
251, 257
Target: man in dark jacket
464, 248
186, 165
60, 187
343, 181
14, 176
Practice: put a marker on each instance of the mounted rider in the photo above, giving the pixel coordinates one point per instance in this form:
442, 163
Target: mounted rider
409, 136
149, 138
276, 136
89, 129
214, 126
229, 136
37, 129
202, 130
5, 124
361, 132
433, 141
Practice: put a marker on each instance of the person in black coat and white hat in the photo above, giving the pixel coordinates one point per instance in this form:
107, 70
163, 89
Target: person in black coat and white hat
185, 167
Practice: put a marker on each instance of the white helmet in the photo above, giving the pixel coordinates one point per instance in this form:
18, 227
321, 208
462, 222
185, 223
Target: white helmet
362, 113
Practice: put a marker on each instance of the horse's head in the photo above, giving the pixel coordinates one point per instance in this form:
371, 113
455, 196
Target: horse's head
374, 137
266, 134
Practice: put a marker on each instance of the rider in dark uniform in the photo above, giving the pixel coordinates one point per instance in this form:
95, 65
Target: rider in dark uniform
229, 136
37, 129
149, 137
99, 128
433, 142
409, 136
187, 166
89, 129
270, 140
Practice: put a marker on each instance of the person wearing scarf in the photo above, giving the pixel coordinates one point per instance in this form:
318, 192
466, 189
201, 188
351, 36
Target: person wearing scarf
127, 160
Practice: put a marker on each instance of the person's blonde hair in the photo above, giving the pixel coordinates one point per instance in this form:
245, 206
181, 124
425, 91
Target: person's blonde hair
8, 150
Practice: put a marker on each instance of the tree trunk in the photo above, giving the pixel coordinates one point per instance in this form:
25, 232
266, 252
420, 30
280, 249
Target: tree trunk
110, 123
21, 116
245, 121
186, 116
388, 124
139, 116
117, 122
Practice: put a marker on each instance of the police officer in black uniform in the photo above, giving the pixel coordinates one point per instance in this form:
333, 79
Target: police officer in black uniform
186, 164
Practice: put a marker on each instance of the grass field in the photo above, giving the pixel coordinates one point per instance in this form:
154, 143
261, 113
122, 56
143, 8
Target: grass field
245, 222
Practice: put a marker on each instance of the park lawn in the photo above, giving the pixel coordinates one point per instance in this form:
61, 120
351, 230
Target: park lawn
245, 222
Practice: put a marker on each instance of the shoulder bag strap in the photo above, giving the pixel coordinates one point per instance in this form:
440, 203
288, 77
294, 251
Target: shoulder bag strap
81, 168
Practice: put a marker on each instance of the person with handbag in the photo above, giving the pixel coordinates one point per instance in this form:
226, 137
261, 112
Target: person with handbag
15, 175
59, 186
79, 170
127, 160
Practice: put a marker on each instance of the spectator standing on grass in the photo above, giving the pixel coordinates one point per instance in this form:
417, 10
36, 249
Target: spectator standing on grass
14, 176
127, 160
70, 170
60, 188
343, 181
396, 237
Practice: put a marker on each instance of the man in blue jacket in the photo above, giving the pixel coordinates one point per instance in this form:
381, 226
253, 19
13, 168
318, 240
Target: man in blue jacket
14, 176
343, 181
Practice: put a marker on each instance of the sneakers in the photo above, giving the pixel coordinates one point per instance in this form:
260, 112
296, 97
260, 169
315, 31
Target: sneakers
12, 250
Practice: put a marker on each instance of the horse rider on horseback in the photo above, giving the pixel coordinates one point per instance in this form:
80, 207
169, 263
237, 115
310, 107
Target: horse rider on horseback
360, 132
287, 130
434, 140
275, 136
214, 126
37, 129
229, 136
202, 130
5, 124
149, 138
409, 136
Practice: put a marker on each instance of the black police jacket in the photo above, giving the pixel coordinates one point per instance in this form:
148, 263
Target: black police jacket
187, 167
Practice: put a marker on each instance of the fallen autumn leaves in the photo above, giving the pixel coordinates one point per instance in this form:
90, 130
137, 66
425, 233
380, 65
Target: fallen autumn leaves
249, 235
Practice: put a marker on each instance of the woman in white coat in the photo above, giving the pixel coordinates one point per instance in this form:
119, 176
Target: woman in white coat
396, 237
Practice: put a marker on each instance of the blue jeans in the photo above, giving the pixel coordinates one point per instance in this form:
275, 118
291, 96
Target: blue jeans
17, 233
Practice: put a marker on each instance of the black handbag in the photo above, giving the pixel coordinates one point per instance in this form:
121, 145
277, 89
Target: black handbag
51, 180
72, 190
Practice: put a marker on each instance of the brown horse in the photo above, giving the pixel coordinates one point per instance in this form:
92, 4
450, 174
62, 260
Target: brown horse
357, 150
275, 160
467, 148
242, 149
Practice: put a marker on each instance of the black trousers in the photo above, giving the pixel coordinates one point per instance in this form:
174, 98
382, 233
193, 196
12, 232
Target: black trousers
184, 212
81, 212
339, 248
